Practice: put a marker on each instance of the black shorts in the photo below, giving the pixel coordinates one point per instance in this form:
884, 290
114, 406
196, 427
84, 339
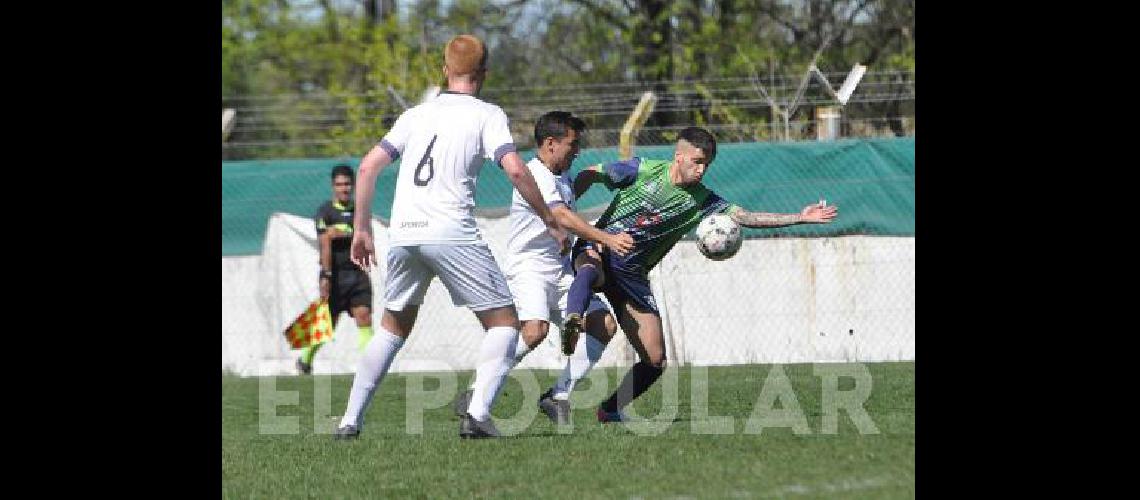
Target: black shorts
349, 288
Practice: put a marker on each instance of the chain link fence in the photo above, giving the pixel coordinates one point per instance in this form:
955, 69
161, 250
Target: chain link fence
320, 125
837, 292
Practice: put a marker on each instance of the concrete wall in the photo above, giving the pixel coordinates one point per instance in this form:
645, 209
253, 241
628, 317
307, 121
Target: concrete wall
790, 300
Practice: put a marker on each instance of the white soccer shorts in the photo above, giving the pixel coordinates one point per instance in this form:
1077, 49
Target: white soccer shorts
542, 295
537, 294
468, 271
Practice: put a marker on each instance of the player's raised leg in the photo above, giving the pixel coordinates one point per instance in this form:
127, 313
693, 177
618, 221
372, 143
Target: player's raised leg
589, 276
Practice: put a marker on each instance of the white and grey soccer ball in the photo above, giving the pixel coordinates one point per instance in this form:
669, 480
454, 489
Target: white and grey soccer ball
718, 237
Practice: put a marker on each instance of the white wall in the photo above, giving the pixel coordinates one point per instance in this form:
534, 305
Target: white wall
787, 300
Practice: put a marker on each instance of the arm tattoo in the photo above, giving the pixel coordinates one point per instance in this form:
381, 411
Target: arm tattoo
764, 219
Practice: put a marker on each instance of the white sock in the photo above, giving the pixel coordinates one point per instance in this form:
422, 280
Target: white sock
377, 358
496, 356
587, 353
521, 350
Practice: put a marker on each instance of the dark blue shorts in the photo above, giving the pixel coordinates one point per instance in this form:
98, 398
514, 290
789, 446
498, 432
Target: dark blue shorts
596, 304
625, 282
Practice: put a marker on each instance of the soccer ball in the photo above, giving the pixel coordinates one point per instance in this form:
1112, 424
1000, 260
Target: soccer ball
718, 237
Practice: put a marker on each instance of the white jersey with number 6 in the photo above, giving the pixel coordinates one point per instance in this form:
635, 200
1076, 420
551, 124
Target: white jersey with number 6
442, 144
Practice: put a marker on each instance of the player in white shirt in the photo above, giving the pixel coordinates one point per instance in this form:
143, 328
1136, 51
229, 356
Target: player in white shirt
444, 142
536, 271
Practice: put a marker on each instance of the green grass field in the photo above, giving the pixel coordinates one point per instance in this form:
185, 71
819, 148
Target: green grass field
667, 456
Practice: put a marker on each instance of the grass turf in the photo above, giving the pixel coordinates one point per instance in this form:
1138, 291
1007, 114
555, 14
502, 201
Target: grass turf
686, 448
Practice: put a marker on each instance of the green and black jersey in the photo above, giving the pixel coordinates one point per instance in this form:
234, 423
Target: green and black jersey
333, 214
654, 211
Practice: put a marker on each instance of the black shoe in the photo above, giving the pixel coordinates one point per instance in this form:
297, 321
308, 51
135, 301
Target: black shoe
469, 428
558, 410
607, 417
462, 401
303, 367
570, 330
347, 432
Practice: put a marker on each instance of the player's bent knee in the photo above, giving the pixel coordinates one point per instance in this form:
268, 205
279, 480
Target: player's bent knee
362, 317
601, 326
610, 326
499, 317
655, 358
400, 323
599, 274
534, 332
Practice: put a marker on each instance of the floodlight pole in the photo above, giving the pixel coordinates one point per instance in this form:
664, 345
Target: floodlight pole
634, 123
841, 96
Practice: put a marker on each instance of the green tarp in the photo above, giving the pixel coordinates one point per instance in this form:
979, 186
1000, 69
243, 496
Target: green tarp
871, 180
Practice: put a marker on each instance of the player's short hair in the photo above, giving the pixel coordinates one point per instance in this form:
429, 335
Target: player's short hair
700, 138
464, 55
555, 124
341, 169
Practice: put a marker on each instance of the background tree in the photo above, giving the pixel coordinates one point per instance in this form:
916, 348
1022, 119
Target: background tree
328, 77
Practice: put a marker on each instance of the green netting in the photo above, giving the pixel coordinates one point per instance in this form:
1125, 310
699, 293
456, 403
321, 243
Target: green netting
871, 180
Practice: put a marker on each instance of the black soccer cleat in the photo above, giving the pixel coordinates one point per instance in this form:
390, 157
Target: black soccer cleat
462, 401
346, 432
469, 428
558, 410
610, 417
571, 327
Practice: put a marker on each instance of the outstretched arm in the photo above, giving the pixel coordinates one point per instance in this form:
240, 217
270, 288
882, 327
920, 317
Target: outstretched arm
817, 213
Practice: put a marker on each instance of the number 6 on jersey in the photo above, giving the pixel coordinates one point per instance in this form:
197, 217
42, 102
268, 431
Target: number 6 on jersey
426, 160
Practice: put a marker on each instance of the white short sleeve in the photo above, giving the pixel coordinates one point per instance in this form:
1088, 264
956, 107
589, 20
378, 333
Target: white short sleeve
397, 137
497, 140
548, 186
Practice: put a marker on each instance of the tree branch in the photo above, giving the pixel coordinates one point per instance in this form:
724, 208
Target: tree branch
566, 59
851, 19
502, 9
330, 16
769, 11
603, 13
